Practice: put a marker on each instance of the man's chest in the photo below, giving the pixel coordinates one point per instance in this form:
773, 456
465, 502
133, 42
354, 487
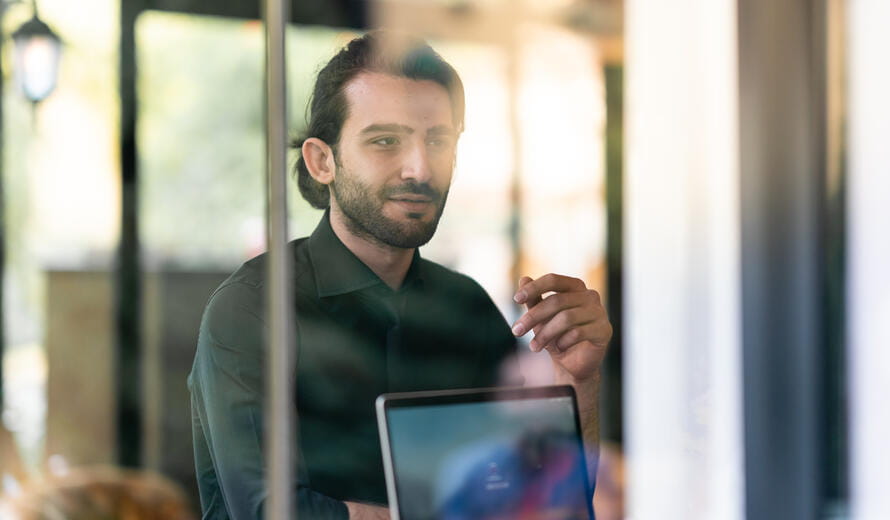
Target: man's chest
354, 347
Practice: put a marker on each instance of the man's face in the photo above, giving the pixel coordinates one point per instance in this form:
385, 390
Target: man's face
394, 159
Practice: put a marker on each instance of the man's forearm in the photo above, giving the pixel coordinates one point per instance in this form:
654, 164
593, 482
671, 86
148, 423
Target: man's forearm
587, 392
366, 512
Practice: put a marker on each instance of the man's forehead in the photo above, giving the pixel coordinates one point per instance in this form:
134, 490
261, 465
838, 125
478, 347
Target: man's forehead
374, 97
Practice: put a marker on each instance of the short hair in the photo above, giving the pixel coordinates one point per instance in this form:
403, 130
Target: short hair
378, 51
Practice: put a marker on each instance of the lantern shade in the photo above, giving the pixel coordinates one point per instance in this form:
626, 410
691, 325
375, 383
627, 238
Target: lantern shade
37, 51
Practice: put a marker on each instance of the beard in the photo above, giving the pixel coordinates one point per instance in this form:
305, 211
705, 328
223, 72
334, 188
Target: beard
363, 208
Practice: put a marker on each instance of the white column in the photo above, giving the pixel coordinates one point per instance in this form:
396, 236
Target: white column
683, 360
868, 257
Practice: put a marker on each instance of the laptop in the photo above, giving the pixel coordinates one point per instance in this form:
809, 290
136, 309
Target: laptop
484, 454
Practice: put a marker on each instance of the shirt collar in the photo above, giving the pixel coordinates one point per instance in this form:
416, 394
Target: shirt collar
338, 271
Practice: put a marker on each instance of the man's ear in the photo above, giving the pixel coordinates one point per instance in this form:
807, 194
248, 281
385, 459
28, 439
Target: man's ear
319, 159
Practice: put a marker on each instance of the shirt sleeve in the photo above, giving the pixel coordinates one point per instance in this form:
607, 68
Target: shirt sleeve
227, 385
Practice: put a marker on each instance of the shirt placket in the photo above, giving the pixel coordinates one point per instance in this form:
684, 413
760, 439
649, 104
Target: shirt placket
395, 306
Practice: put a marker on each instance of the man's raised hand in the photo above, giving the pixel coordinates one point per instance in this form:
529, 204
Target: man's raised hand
568, 320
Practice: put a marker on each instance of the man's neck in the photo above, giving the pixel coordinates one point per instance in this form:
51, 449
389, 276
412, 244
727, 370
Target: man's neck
389, 263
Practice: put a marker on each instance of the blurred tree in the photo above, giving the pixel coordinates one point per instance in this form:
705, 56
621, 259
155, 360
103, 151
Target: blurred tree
201, 135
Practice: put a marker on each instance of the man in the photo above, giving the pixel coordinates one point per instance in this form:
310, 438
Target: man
372, 316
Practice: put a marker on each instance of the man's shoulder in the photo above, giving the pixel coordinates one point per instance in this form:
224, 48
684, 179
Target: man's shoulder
252, 273
235, 310
459, 289
445, 278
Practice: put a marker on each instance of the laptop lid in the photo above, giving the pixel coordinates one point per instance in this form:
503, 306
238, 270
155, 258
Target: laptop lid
486, 454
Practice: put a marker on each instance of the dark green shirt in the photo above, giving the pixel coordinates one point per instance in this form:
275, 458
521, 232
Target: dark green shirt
357, 339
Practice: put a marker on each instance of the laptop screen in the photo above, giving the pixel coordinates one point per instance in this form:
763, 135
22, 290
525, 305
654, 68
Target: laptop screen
488, 456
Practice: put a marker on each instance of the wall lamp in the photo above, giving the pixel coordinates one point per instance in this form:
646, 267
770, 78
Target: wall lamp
37, 53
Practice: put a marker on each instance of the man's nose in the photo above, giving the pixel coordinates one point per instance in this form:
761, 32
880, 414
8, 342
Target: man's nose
417, 165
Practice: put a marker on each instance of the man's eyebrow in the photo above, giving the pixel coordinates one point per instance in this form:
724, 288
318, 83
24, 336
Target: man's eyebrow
441, 130
387, 127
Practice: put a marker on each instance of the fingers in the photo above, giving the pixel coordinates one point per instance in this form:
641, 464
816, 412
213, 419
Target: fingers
572, 326
598, 332
569, 327
534, 290
568, 316
559, 308
529, 303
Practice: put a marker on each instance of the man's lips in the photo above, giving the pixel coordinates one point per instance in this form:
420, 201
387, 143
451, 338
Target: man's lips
413, 204
419, 200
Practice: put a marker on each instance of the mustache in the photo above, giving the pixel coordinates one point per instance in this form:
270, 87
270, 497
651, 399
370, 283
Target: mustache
413, 188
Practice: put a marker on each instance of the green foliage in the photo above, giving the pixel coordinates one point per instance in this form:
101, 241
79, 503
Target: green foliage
201, 144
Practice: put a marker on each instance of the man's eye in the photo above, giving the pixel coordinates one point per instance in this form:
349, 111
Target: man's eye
386, 141
439, 142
